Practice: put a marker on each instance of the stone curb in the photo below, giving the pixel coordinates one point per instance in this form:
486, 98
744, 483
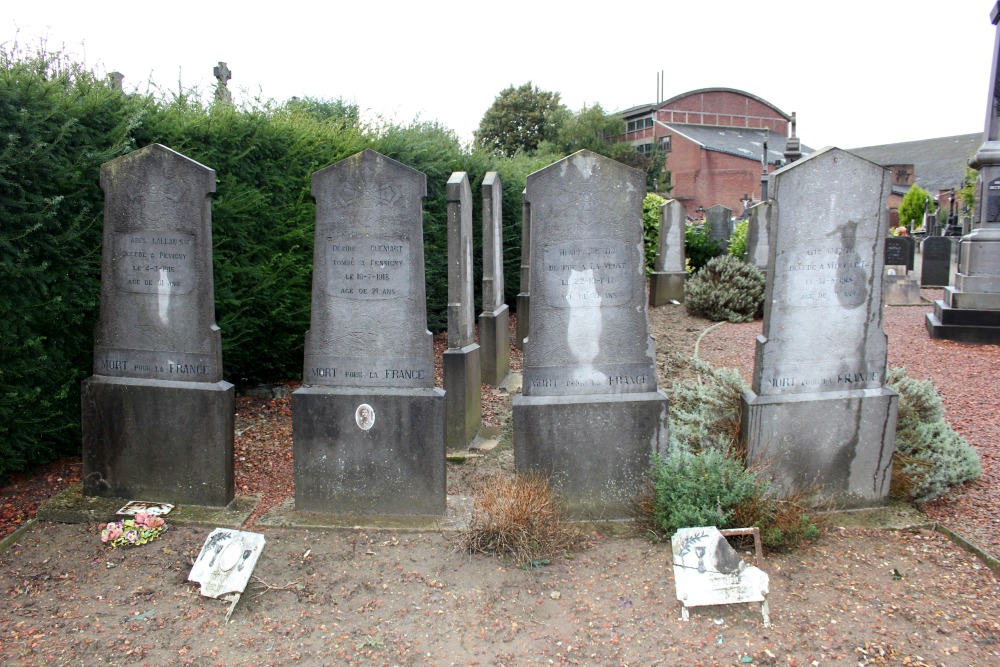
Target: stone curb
978, 552
9, 541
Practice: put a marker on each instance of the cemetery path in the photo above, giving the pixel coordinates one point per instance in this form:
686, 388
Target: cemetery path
852, 597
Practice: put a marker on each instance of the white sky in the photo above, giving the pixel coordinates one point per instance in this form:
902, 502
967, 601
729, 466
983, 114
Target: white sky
857, 72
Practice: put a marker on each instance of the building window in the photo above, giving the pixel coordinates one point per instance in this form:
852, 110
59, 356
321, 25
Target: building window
641, 124
665, 143
644, 149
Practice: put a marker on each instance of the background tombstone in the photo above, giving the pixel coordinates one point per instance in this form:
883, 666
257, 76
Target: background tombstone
970, 310
368, 423
223, 74
157, 416
666, 283
590, 415
524, 296
462, 364
935, 264
930, 225
819, 415
720, 225
758, 235
494, 321
900, 287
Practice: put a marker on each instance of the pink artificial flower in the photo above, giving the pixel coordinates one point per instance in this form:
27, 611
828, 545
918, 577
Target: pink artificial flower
156, 523
142, 518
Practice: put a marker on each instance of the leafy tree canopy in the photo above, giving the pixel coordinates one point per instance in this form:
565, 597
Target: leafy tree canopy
911, 211
519, 120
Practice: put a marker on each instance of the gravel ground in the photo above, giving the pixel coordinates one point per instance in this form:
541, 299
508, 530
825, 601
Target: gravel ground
852, 597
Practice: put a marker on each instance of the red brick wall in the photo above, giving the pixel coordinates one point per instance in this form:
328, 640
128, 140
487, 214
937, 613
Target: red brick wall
723, 107
705, 178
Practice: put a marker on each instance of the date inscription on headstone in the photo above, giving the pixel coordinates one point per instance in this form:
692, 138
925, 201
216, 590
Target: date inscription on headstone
154, 262
368, 268
587, 273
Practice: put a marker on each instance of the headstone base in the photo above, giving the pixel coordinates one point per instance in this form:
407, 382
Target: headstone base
666, 287
158, 440
395, 467
978, 326
901, 291
494, 343
521, 307
595, 450
463, 396
835, 448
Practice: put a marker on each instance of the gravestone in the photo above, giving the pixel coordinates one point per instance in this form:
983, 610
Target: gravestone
666, 283
899, 286
899, 251
368, 423
116, 80
720, 225
970, 309
819, 418
524, 296
223, 74
758, 235
931, 224
935, 265
590, 415
462, 363
494, 321
157, 416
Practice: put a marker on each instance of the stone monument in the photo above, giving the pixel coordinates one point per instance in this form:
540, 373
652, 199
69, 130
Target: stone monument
524, 296
666, 284
759, 235
368, 423
819, 418
462, 364
900, 286
590, 415
935, 261
157, 416
970, 310
494, 321
720, 225
223, 74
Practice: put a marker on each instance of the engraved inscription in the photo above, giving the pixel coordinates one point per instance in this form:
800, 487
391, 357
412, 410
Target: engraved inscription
368, 268
587, 273
151, 262
827, 276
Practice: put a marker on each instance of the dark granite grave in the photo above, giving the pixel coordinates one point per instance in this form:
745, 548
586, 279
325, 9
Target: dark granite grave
935, 263
899, 251
157, 416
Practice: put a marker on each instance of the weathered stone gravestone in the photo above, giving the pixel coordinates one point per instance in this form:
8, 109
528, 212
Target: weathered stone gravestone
758, 236
970, 310
223, 74
494, 321
368, 423
157, 416
935, 264
819, 416
462, 364
720, 225
900, 287
590, 415
708, 571
666, 284
523, 300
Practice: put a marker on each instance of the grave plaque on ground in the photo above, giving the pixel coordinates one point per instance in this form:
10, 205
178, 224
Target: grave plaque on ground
368, 423
494, 321
157, 416
462, 365
524, 296
758, 235
935, 265
970, 310
720, 225
590, 415
819, 417
666, 283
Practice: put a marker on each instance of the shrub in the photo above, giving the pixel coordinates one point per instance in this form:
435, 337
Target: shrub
738, 241
651, 227
699, 246
519, 517
726, 289
930, 457
705, 410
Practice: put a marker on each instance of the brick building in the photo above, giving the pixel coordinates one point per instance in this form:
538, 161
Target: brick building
714, 140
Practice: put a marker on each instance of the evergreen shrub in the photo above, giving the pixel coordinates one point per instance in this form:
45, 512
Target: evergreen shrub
726, 289
699, 246
651, 204
738, 240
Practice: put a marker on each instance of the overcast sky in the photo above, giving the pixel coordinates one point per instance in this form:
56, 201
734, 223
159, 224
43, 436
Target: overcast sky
857, 72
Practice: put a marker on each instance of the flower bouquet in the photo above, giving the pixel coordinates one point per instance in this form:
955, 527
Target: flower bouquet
141, 529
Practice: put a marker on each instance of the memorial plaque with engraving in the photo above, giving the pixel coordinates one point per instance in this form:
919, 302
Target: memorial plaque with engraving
899, 252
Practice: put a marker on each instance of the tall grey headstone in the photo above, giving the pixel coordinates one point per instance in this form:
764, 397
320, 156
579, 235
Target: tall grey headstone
524, 296
157, 416
462, 364
494, 321
759, 235
819, 417
223, 74
720, 224
590, 414
117, 80
970, 310
666, 284
368, 423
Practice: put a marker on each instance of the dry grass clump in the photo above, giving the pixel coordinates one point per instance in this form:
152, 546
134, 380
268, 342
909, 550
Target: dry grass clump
518, 517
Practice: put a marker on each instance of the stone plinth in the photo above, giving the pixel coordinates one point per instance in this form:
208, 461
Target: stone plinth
494, 321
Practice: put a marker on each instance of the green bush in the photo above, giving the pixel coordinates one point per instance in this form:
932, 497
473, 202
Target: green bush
699, 246
738, 241
651, 227
930, 457
726, 289
705, 410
